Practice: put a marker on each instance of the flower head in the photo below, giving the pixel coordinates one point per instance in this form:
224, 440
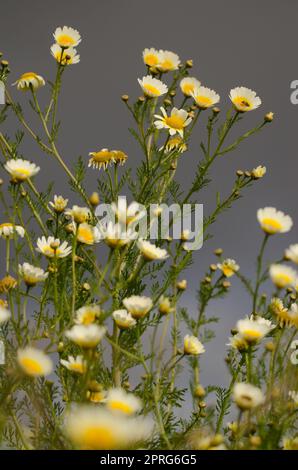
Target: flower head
59, 204
167, 61
86, 336
247, 396
7, 230
4, 314
79, 214
123, 319
52, 247
164, 306
67, 37
75, 364
104, 157
188, 85
192, 346
228, 267
31, 274
282, 276
205, 97
87, 234
151, 57
253, 329
152, 87
138, 306
273, 221
34, 362
87, 314
65, 57
117, 235
175, 142
29, 80
291, 253
238, 342
258, 172
20, 169
244, 99
119, 401
176, 122
151, 252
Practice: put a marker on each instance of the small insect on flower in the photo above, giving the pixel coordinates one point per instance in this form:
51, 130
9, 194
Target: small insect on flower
65, 56
20, 170
79, 214
138, 306
228, 267
151, 57
291, 253
4, 314
119, 401
87, 314
247, 396
188, 85
192, 346
75, 364
205, 97
167, 61
282, 276
29, 80
34, 362
175, 123
52, 247
67, 37
244, 99
86, 336
59, 204
7, 230
31, 274
87, 234
273, 221
258, 172
151, 252
123, 319
253, 329
152, 87
104, 157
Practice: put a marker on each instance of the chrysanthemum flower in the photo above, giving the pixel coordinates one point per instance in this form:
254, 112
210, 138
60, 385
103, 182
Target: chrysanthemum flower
31, 274
20, 169
86, 336
75, 364
192, 346
34, 362
152, 87
104, 157
59, 204
253, 329
4, 314
87, 314
151, 57
65, 56
93, 428
238, 342
164, 306
7, 230
151, 252
291, 253
7, 283
119, 401
282, 276
87, 234
67, 37
258, 172
228, 267
175, 143
273, 221
127, 214
137, 305
123, 319
247, 396
28, 80
205, 97
79, 214
176, 122
52, 247
188, 85
167, 61
244, 99
116, 235
278, 308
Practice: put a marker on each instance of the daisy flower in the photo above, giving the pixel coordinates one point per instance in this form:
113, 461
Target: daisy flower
52, 247
104, 157
228, 267
253, 330
7, 230
151, 57
238, 342
65, 57
31, 274
4, 314
67, 37
175, 143
151, 252
138, 306
87, 234
167, 61
291, 253
176, 122
164, 306
247, 396
152, 87
29, 80
116, 235
59, 204
258, 172
278, 308
188, 85
75, 364
79, 214
244, 99
123, 319
273, 221
86, 336
34, 362
119, 401
282, 276
205, 97
87, 314
192, 346
20, 169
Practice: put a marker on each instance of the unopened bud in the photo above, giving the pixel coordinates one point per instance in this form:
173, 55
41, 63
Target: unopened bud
239, 173
218, 252
94, 199
269, 117
189, 63
125, 98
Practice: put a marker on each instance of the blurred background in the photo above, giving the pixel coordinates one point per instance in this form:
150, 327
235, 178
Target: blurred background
232, 43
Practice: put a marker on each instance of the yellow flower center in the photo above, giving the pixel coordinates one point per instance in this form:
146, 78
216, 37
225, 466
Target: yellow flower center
97, 437
151, 89
85, 235
6, 224
282, 279
175, 122
151, 59
65, 40
31, 366
88, 317
21, 172
102, 156
204, 101
28, 76
228, 271
77, 367
252, 334
242, 102
120, 406
167, 65
188, 88
271, 225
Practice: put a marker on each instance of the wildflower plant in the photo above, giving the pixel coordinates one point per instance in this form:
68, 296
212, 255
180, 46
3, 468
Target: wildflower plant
79, 329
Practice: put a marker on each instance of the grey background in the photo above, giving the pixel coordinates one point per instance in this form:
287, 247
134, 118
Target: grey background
232, 43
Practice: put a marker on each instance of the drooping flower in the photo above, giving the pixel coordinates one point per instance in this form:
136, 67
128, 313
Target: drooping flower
175, 123
29, 80
193, 346
7, 230
105, 157
228, 267
175, 143
151, 252
123, 319
59, 204
65, 56
273, 221
244, 99
119, 401
167, 61
188, 85
137, 305
291, 253
75, 364
87, 314
31, 274
258, 172
152, 87
247, 396
20, 169
205, 97
282, 276
151, 57
86, 336
67, 37
34, 362
4, 314
52, 247
79, 214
